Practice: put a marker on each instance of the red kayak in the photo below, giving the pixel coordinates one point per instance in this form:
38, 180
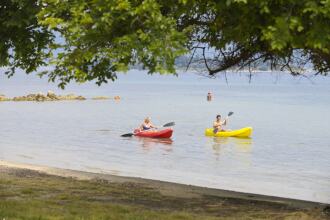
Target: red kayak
166, 133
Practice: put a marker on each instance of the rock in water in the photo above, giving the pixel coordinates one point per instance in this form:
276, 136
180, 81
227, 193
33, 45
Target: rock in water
101, 98
3, 98
71, 97
40, 97
51, 96
81, 98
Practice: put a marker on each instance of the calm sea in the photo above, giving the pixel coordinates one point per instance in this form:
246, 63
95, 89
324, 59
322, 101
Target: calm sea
288, 154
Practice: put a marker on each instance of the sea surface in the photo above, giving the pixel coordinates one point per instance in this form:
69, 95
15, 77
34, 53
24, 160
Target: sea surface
288, 154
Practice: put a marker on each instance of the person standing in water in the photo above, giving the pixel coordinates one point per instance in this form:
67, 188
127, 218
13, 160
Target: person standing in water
218, 125
147, 125
209, 96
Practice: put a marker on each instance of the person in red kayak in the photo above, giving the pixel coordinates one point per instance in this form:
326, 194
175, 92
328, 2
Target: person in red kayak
218, 125
147, 125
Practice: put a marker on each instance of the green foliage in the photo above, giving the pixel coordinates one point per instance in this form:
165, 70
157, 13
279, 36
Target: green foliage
287, 34
98, 38
23, 42
103, 37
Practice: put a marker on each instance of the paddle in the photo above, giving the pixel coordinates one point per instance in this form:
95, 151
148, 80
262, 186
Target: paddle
229, 114
165, 125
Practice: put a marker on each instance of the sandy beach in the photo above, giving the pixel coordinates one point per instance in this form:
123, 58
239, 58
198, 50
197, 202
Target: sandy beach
19, 180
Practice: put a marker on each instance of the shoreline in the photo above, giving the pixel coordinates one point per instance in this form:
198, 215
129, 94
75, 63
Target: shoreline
39, 192
165, 188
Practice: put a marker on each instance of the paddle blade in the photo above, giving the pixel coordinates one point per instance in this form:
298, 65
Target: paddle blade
127, 135
230, 113
169, 124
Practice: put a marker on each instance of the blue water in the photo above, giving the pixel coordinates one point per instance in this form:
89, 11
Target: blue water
288, 154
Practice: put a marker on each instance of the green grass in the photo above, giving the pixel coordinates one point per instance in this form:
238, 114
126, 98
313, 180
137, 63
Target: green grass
30, 195
31, 209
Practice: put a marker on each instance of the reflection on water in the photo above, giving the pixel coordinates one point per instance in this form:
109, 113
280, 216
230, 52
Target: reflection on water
243, 145
217, 144
238, 148
149, 143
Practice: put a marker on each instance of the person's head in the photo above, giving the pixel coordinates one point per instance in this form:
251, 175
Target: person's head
218, 117
147, 120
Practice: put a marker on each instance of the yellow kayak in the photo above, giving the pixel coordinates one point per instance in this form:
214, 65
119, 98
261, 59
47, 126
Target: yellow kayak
243, 132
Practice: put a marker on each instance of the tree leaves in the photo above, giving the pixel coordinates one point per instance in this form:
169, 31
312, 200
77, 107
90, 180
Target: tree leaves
95, 39
103, 37
238, 34
23, 43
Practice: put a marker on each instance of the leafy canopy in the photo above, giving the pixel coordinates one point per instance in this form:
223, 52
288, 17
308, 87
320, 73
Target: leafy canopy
101, 37
284, 33
23, 41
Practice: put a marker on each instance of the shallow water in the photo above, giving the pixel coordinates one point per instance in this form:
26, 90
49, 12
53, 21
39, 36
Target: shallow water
288, 154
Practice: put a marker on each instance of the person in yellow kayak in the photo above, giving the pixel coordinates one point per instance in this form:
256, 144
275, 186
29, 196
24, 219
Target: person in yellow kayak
147, 125
218, 125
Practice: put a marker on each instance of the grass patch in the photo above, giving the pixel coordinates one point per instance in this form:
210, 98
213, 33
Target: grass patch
33, 195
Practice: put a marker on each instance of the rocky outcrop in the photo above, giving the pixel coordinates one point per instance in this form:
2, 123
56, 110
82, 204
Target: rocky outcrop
106, 97
50, 96
4, 98
101, 98
71, 97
